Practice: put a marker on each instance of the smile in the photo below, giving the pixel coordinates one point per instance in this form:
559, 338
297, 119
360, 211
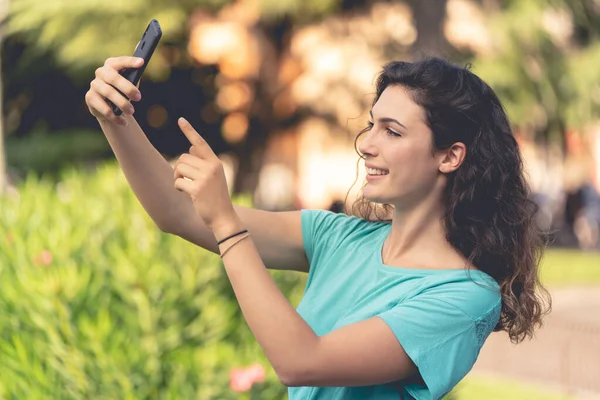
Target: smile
374, 171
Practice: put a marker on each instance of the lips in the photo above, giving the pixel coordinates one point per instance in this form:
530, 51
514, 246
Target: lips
375, 167
375, 177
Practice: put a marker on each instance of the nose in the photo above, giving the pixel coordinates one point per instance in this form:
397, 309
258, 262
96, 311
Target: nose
366, 144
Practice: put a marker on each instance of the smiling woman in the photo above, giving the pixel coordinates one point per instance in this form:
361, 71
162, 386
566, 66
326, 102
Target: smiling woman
457, 151
399, 303
441, 246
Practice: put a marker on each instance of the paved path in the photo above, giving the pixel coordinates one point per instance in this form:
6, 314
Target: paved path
565, 352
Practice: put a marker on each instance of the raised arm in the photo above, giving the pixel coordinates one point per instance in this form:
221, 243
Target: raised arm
277, 234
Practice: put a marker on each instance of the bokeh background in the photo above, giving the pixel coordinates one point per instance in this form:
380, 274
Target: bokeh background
98, 303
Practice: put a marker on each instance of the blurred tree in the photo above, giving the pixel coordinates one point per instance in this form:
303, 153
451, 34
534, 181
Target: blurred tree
542, 61
76, 33
258, 68
429, 16
84, 33
4, 4
543, 64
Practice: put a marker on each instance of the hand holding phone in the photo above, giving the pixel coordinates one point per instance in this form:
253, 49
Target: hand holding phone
144, 50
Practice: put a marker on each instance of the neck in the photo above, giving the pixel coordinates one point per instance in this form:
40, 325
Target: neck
416, 229
418, 235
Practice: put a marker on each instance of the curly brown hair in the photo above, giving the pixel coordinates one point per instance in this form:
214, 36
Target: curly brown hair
489, 216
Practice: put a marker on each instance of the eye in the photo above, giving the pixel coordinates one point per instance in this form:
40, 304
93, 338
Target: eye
388, 130
392, 133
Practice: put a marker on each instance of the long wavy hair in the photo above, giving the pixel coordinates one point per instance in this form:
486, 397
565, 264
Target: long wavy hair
489, 216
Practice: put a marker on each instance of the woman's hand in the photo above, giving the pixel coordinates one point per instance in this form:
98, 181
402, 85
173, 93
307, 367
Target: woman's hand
105, 86
200, 174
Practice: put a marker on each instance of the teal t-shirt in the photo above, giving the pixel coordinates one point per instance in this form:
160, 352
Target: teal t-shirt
440, 317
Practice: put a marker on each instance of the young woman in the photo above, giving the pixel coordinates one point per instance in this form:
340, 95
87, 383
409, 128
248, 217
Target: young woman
440, 250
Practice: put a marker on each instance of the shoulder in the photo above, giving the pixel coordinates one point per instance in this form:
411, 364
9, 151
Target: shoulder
313, 219
473, 292
323, 230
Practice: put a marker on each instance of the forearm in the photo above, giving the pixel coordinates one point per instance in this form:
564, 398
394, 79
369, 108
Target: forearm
287, 340
148, 173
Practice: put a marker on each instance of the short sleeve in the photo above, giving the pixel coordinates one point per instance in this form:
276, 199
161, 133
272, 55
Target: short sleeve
441, 339
323, 229
325, 233
314, 224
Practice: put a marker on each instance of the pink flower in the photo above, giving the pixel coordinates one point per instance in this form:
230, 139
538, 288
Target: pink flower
242, 379
257, 372
45, 258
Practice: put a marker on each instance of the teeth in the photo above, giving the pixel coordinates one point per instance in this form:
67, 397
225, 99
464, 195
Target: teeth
373, 171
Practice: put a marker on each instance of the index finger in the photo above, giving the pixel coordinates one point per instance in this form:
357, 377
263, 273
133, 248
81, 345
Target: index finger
197, 141
123, 62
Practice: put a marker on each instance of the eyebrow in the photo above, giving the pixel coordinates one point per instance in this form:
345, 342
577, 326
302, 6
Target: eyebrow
387, 119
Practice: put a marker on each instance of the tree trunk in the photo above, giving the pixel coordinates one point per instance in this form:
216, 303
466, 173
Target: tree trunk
274, 38
429, 18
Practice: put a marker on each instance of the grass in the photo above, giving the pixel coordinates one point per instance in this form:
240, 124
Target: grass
501, 389
559, 268
564, 267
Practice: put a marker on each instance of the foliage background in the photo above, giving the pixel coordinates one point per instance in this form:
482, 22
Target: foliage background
98, 303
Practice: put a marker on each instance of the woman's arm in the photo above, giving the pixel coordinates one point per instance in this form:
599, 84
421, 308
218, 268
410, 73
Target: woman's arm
364, 353
278, 234
148, 173
359, 354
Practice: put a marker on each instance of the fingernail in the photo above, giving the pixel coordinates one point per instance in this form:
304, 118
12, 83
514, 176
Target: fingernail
140, 61
130, 110
137, 97
182, 121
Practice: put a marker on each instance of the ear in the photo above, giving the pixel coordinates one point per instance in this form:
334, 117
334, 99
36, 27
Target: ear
452, 157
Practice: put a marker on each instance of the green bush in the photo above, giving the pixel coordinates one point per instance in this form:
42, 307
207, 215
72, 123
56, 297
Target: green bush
97, 303
45, 152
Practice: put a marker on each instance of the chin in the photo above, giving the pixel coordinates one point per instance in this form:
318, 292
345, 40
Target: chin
375, 199
378, 199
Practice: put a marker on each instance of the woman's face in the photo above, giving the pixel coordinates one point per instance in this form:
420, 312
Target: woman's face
400, 143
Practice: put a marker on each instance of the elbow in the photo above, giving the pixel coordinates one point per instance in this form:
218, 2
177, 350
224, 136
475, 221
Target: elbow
165, 227
294, 376
303, 368
289, 380
170, 224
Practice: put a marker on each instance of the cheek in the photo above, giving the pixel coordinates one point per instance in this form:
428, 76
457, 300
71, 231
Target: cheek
416, 168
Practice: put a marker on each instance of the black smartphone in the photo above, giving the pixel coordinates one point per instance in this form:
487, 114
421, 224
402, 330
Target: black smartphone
144, 50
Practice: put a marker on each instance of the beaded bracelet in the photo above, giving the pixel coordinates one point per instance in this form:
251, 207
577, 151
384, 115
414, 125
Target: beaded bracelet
232, 236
